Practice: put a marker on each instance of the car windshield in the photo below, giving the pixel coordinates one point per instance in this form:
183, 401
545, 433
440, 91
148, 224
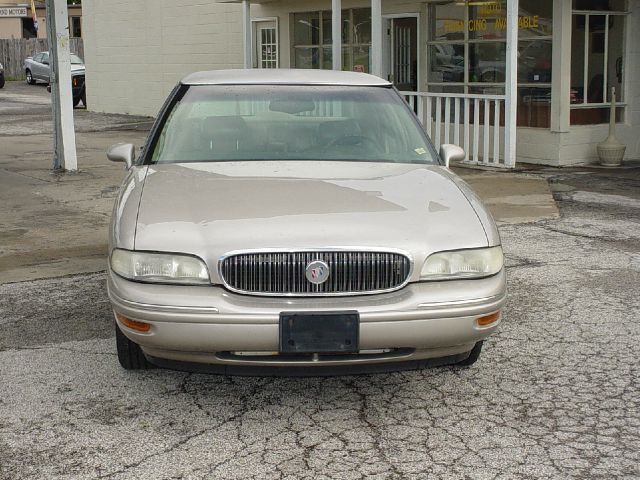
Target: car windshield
288, 122
76, 60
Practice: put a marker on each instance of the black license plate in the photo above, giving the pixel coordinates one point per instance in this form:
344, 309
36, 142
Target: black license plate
334, 332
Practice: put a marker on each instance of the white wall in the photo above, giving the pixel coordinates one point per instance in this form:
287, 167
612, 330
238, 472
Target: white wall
10, 27
136, 51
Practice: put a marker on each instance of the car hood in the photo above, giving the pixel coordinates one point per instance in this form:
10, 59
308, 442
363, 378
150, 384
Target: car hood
210, 209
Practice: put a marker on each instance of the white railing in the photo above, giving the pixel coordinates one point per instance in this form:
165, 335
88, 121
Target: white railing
476, 119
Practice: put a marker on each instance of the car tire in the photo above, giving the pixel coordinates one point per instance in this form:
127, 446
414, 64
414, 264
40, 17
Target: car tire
2, 81
473, 355
130, 354
30, 79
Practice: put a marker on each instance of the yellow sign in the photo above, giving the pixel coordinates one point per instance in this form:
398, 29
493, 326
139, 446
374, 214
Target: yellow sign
481, 24
491, 9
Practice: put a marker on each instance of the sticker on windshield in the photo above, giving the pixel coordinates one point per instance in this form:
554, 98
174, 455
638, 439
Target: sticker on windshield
420, 151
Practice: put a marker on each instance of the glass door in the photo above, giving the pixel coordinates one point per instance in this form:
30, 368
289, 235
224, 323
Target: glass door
266, 44
402, 38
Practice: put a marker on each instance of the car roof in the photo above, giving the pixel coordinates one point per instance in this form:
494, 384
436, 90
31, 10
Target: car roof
276, 76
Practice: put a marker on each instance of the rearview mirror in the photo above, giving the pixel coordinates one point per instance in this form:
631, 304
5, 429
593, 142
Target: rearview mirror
122, 152
450, 152
292, 107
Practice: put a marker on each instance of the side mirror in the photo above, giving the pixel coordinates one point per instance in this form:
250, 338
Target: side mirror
45, 62
122, 152
450, 152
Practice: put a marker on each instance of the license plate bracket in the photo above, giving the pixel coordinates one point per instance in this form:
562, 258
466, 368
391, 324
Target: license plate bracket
319, 332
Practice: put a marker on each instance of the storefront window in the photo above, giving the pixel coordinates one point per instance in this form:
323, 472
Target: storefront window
597, 60
487, 62
75, 27
306, 28
313, 39
446, 63
307, 57
447, 22
467, 47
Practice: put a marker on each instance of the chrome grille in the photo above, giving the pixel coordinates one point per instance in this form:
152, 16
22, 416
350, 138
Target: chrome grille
283, 273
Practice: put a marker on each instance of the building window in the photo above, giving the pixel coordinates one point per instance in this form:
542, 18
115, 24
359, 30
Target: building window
466, 53
28, 28
75, 27
312, 39
597, 60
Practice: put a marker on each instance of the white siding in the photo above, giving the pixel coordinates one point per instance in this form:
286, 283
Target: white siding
137, 51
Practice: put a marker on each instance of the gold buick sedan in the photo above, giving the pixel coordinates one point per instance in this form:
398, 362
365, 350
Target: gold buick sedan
298, 222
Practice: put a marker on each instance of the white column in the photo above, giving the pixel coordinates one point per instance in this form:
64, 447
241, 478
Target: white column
64, 156
336, 34
376, 37
511, 84
246, 33
561, 66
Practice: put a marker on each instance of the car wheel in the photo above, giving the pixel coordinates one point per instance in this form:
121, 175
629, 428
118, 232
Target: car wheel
473, 356
30, 79
1, 81
130, 354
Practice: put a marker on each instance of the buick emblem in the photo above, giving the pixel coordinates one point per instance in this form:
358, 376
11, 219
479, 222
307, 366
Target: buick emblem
317, 272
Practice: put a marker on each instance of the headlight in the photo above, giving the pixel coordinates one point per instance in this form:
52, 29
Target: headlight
159, 267
476, 263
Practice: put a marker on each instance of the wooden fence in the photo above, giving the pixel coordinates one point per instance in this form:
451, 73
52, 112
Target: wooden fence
14, 51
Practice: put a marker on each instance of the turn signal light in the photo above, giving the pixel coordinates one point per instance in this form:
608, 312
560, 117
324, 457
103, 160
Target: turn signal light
133, 324
488, 319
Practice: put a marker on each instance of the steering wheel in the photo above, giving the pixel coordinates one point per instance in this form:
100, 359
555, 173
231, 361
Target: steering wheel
354, 141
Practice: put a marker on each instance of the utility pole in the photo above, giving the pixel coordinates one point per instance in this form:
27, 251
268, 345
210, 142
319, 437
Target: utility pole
64, 135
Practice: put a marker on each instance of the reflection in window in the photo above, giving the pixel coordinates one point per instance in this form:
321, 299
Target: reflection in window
467, 48
306, 28
313, 39
534, 61
446, 63
487, 62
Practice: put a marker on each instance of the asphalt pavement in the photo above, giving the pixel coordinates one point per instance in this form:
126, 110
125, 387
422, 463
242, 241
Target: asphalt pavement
555, 394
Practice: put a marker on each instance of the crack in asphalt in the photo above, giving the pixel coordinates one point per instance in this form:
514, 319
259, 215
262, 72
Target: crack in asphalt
556, 393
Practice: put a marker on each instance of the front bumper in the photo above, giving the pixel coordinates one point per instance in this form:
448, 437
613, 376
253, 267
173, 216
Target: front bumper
210, 325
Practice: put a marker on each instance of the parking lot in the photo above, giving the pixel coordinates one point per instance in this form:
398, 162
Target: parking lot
556, 393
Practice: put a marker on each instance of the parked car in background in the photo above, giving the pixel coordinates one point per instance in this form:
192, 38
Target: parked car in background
77, 88
1, 75
298, 219
37, 68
